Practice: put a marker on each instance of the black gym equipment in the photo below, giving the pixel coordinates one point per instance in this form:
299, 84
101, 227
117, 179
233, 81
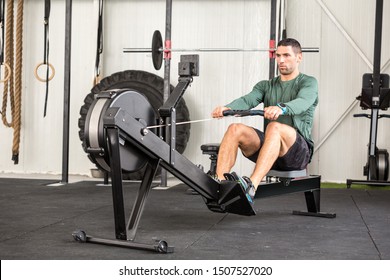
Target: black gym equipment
151, 87
375, 96
117, 136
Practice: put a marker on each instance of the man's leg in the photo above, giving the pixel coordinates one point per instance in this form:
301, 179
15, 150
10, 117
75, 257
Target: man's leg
278, 140
237, 136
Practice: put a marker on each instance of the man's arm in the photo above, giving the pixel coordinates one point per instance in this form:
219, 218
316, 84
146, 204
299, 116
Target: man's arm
250, 100
306, 97
246, 102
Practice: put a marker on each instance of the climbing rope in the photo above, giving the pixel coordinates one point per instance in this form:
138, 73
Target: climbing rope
13, 85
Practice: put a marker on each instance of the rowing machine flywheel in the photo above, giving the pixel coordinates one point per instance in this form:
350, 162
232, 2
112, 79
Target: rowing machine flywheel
382, 165
133, 103
377, 167
150, 86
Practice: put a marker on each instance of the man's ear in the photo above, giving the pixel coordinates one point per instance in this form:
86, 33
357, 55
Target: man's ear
299, 57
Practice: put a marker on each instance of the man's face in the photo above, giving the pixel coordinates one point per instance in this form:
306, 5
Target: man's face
287, 60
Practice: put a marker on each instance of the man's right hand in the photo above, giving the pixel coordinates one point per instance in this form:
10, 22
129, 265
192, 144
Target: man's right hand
218, 112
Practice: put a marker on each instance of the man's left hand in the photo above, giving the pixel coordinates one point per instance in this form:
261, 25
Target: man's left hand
272, 112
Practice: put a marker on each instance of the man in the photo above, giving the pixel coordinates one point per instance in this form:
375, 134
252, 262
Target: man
289, 103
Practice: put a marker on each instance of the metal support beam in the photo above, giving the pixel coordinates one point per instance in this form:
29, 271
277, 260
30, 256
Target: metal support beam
272, 40
66, 112
167, 72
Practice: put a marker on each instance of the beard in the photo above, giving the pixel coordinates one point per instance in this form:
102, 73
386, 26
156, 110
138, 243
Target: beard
285, 70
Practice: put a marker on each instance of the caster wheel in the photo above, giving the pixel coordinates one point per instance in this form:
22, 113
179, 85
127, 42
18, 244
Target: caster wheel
162, 247
80, 236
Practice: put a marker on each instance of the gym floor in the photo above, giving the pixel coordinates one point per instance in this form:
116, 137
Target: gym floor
37, 222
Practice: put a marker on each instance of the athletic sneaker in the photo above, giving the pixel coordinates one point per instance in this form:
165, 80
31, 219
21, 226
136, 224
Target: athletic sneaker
214, 177
245, 182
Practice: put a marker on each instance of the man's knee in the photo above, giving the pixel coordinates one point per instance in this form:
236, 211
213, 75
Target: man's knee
275, 128
236, 129
245, 136
281, 132
279, 127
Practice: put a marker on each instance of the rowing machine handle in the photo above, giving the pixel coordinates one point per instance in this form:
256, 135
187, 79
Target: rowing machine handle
243, 113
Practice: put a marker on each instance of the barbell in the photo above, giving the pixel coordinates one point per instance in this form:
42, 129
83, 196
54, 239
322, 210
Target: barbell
158, 50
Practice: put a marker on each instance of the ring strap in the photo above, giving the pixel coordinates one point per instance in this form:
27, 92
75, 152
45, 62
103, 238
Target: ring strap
99, 43
2, 26
46, 50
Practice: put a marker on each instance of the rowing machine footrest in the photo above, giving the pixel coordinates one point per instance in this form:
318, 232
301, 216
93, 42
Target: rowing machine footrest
232, 198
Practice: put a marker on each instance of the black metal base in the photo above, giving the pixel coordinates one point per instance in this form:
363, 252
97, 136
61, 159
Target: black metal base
159, 246
314, 214
367, 182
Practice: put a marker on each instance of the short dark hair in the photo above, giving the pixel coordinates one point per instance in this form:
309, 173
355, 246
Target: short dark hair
291, 42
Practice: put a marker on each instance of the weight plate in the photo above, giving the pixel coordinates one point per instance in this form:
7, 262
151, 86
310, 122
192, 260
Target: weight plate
157, 54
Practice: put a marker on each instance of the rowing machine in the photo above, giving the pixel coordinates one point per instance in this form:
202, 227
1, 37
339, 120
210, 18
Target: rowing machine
375, 96
118, 139
376, 169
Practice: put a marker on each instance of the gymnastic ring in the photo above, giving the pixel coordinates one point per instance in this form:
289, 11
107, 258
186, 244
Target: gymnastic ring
53, 72
9, 73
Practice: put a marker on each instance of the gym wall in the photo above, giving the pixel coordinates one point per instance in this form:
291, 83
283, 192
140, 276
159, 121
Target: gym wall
344, 31
223, 76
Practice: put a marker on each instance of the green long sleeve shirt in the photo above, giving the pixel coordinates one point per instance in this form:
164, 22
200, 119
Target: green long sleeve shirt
300, 96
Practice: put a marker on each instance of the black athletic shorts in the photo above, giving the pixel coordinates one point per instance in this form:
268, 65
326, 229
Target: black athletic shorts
296, 158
